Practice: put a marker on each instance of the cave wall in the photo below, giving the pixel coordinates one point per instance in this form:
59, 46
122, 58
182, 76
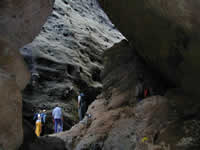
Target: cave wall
67, 54
119, 121
165, 33
20, 22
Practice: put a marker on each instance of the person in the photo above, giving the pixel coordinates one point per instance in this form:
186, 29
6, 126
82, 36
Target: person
81, 106
38, 125
58, 119
35, 117
139, 90
43, 118
34, 78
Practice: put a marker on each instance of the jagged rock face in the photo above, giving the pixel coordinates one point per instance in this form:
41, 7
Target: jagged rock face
20, 22
118, 121
165, 33
68, 53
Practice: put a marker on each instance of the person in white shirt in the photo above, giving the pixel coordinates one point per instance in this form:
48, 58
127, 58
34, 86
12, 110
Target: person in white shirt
58, 119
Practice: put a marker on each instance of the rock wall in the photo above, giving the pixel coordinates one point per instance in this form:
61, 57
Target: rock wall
165, 33
68, 54
119, 121
20, 22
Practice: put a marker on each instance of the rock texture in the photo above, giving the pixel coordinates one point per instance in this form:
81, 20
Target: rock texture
20, 22
11, 128
68, 54
165, 33
118, 121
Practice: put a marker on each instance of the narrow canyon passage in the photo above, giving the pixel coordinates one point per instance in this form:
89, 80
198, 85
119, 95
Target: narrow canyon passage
138, 69
66, 58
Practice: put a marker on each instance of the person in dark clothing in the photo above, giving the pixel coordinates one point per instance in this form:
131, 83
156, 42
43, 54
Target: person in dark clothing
34, 78
139, 89
43, 116
81, 106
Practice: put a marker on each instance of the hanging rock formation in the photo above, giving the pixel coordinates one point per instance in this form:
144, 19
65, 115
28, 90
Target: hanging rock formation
20, 22
166, 34
118, 121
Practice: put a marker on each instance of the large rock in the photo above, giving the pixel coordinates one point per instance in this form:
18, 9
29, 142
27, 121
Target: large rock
165, 33
11, 128
118, 121
20, 22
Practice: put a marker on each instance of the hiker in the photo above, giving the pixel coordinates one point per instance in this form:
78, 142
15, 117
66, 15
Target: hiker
43, 118
35, 117
81, 106
38, 125
58, 119
34, 78
139, 90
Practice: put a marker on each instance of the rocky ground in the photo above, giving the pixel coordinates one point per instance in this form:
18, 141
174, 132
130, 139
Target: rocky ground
67, 54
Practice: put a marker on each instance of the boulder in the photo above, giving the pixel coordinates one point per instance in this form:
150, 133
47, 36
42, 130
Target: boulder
20, 22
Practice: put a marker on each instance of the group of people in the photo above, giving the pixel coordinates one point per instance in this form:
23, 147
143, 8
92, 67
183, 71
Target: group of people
40, 117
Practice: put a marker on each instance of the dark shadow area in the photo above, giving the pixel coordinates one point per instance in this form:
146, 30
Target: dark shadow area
44, 143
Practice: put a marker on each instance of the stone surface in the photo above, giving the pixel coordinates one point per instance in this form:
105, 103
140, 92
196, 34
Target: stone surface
68, 53
10, 104
118, 121
20, 22
166, 35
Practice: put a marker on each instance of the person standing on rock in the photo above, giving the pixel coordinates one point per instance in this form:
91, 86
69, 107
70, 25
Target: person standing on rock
34, 78
43, 118
38, 125
58, 119
139, 89
81, 106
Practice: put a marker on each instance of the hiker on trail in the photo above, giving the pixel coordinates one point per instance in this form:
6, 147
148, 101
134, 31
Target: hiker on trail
58, 119
42, 115
34, 78
148, 90
139, 90
81, 106
38, 125
35, 117
43, 118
